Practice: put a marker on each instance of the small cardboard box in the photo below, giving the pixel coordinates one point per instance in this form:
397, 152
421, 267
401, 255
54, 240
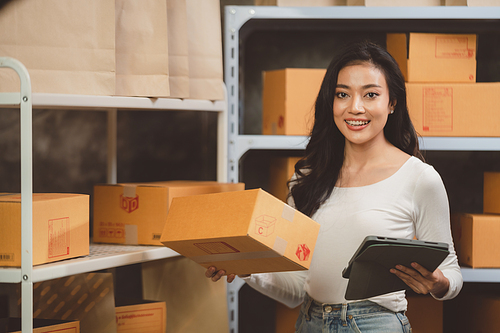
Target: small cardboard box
394, 3
434, 57
491, 192
425, 314
439, 109
13, 325
60, 227
288, 99
135, 213
476, 239
133, 316
280, 172
241, 232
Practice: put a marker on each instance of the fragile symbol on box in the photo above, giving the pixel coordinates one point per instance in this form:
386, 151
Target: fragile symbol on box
264, 225
129, 204
303, 252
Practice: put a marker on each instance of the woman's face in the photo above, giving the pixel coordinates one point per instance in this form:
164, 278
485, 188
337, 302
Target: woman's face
361, 104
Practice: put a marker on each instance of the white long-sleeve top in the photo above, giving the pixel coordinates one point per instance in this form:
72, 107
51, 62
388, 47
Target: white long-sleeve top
412, 202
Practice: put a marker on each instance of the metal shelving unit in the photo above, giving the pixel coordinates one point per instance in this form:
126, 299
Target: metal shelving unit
292, 18
102, 256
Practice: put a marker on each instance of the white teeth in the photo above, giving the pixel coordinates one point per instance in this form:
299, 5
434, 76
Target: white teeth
357, 122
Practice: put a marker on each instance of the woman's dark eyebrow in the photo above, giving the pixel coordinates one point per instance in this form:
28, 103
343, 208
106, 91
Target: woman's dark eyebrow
372, 85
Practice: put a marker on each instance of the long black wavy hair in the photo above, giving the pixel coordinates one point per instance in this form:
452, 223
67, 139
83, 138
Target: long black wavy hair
318, 171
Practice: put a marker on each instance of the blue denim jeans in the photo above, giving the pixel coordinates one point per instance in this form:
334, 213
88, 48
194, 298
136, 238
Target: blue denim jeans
363, 316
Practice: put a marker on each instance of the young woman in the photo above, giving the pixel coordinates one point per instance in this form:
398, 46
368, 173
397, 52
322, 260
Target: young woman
362, 174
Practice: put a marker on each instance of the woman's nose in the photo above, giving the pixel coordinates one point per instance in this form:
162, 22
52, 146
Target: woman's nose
357, 105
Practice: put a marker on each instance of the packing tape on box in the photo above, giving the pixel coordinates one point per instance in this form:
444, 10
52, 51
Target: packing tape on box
288, 213
129, 191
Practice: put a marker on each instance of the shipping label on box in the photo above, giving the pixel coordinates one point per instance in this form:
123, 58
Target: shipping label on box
60, 227
476, 239
241, 232
439, 109
135, 213
143, 316
435, 57
288, 100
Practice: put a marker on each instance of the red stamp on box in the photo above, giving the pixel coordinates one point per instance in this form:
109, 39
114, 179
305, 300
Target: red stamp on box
264, 225
303, 252
129, 204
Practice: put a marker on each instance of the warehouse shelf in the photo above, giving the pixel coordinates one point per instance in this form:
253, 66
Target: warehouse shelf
93, 103
101, 256
245, 143
241, 21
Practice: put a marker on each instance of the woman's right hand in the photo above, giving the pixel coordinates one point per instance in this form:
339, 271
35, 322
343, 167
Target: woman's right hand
215, 275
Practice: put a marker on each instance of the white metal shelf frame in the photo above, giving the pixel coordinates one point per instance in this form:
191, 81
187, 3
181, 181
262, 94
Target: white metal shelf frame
101, 256
237, 16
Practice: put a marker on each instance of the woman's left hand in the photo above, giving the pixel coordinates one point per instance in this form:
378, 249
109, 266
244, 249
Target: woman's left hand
422, 281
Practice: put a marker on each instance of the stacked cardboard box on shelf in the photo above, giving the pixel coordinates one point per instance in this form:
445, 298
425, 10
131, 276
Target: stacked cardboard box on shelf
443, 96
288, 99
135, 213
476, 235
60, 227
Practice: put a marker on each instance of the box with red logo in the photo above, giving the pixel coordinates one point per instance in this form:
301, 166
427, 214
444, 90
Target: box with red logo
60, 227
135, 213
427, 57
241, 232
288, 99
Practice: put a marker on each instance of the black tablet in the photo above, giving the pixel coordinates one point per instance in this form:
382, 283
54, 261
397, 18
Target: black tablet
368, 270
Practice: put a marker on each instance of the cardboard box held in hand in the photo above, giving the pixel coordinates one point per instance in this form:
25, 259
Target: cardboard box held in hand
242, 232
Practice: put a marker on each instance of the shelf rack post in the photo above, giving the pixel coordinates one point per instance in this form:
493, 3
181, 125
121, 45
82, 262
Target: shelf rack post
25, 102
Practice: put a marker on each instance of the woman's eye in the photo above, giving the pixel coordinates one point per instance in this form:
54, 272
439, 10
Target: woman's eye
372, 95
341, 95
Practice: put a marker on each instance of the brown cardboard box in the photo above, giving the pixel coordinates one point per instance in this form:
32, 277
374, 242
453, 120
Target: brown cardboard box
60, 227
434, 57
394, 3
474, 312
280, 172
40, 326
476, 239
425, 314
454, 109
135, 213
140, 316
193, 301
288, 99
491, 192
242, 232
300, 3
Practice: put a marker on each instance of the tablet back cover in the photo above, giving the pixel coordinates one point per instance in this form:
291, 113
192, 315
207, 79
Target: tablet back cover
370, 276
